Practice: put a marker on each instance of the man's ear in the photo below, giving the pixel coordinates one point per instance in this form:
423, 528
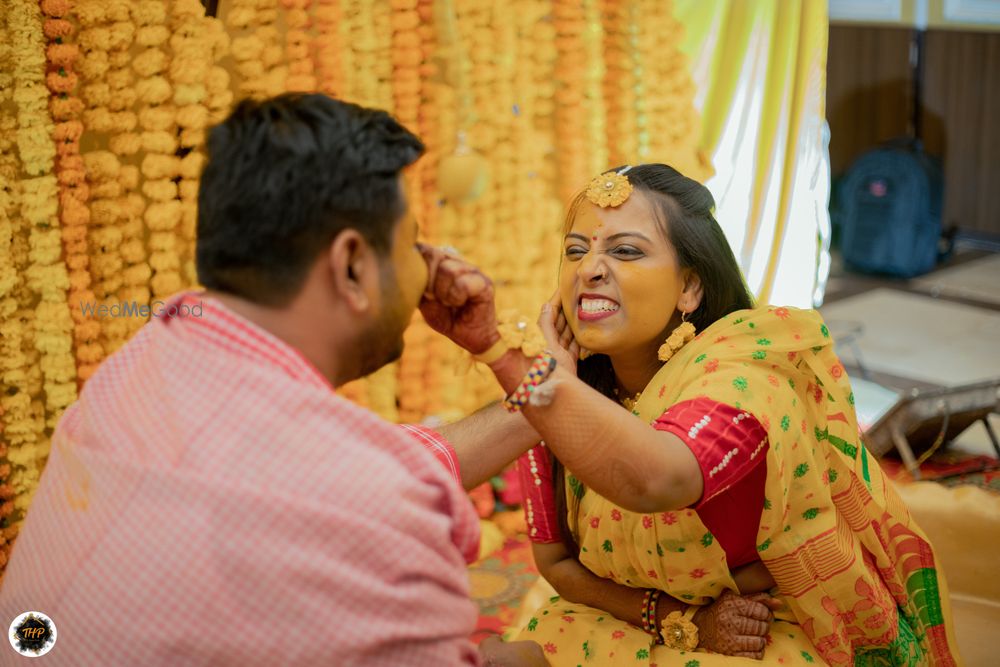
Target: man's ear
692, 292
353, 266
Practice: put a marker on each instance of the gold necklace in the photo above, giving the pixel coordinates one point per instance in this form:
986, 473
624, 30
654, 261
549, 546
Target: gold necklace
628, 403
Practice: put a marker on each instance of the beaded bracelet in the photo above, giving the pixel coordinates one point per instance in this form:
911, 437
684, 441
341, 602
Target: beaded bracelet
540, 370
650, 602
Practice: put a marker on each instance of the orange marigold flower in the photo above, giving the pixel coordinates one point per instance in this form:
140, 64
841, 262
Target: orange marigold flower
62, 55
57, 28
69, 130
56, 8
65, 109
61, 82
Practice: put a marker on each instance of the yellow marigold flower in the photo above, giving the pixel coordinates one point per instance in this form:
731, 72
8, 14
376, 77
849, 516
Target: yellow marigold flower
159, 141
163, 216
162, 189
150, 62
188, 94
166, 283
192, 164
152, 35
120, 34
150, 12
128, 143
133, 251
188, 190
120, 59
94, 64
129, 176
154, 118
154, 90
160, 166
137, 274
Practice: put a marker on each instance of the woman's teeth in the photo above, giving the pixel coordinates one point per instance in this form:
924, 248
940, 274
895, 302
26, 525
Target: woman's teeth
598, 306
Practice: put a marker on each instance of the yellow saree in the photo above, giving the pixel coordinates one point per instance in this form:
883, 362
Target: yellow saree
858, 577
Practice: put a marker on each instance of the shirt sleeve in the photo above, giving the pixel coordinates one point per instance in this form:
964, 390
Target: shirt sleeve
535, 470
437, 445
728, 442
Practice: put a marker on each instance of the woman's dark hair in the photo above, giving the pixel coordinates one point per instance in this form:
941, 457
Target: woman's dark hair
683, 208
284, 177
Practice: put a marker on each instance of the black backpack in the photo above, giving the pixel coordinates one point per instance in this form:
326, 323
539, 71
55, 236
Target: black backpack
888, 208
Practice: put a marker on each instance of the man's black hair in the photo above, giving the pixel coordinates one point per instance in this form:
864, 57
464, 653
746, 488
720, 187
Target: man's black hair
284, 177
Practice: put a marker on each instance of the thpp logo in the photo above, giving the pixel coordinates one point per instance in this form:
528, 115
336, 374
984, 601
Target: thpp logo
32, 634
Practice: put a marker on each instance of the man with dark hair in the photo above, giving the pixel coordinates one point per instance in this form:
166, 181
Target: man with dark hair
210, 499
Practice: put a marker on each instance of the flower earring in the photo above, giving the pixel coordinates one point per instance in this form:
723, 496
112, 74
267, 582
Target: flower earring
682, 334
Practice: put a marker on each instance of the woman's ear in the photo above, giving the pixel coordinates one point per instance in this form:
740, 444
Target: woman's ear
353, 266
692, 293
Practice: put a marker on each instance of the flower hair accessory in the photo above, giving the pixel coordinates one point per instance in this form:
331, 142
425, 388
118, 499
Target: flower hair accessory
610, 189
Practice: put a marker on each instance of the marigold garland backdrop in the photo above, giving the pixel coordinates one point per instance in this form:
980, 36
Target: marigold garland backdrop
103, 108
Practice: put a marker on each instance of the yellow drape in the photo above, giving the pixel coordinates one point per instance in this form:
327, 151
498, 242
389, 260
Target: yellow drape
760, 69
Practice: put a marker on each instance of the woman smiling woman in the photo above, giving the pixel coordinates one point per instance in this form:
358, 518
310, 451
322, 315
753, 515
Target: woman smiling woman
704, 450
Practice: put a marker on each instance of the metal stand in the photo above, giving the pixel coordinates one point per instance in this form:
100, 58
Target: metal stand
905, 452
993, 436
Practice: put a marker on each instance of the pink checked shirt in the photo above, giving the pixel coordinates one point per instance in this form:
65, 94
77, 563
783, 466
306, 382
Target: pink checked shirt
210, 501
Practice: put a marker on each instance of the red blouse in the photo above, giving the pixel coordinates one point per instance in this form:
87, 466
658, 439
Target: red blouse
730, 446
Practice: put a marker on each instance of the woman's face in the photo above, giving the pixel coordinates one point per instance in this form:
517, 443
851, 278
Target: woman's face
620, 280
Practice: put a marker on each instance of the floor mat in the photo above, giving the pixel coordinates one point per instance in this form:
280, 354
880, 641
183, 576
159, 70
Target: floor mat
498, 585
978, 280
950, 468
918, 337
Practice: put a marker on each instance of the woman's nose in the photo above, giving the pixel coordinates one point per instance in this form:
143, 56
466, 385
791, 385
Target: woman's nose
592, 269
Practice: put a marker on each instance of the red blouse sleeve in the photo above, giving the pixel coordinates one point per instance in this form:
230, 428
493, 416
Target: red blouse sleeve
535, 470
728, 442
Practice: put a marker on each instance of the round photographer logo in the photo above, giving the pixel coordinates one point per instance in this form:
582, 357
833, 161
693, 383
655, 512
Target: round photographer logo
32, 634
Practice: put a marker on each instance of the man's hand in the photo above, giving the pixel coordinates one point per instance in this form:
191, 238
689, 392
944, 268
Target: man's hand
497, 653
459, 301
736, 624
